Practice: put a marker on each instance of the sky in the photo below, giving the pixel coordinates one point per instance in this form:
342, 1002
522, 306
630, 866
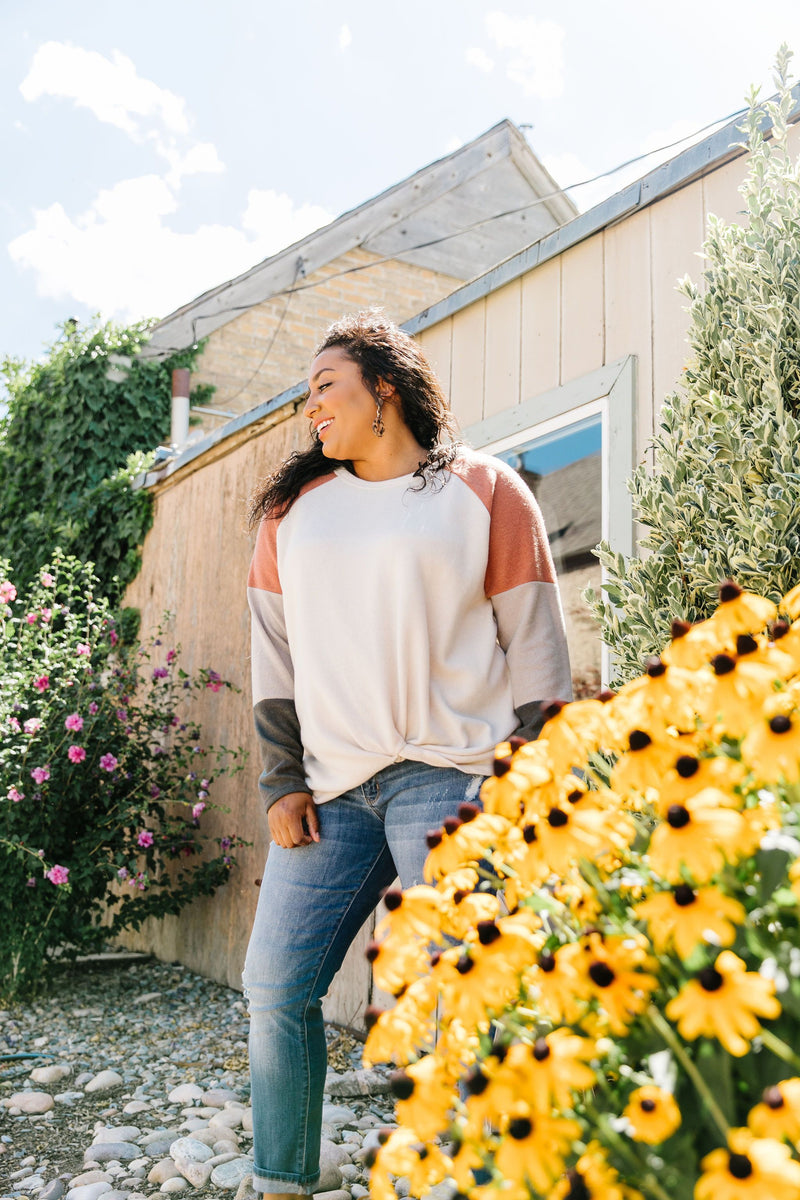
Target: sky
152, 151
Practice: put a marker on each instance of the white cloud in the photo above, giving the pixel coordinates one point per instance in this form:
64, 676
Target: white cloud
536, 48
110, 88
345, 37
479, 58
122, 258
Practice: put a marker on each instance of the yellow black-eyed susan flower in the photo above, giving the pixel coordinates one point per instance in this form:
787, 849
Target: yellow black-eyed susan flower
723, 1001
739, 611
516, 774
689, 773
397, 962
699, 836
778, 1114
738, 689
592, 1178
552, 1068
693, 645
425, 1092
664, 696
644, 762
533, 1148
462, 840
415, 912
397, 1033
616, 970
652, 1114
684, 917
403, 1154
567, 835
749, 1169
772, 747
573, 731
559, 984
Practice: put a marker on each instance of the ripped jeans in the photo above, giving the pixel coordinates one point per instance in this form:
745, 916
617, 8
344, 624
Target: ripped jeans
313, 901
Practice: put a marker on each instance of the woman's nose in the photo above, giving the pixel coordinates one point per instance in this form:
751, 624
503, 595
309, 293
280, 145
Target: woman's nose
310, 407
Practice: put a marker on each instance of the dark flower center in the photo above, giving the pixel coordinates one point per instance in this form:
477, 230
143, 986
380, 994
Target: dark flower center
520, 1128
647, 1105
780, 724
728, 590
468, 812
779, 630
638, 739
459, 896
393, 899
677, 816
476, 1082
551, 708
601, 974
740, 1166
547, 962
371, 1015
710, 979
433, 838
684, 895
541, 1050
529, 833
515, 742
745, 644
605, 695
773, 1097
556, 818
577, 1187
655, 667
372, 951
451, 824
487, 932
501, 766
723, 664
402, 1084
464, 964
687, 766
679, 629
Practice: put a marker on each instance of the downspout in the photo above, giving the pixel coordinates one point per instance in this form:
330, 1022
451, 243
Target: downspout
179, 426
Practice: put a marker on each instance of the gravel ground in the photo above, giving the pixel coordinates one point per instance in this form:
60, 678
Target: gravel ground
159, 1027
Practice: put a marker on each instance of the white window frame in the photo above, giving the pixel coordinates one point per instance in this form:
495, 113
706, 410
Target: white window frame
609, 391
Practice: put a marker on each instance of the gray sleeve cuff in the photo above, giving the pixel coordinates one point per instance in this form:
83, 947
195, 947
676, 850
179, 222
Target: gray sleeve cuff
278, 731
531, 720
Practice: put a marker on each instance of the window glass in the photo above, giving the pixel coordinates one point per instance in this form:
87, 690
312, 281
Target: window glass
564, 472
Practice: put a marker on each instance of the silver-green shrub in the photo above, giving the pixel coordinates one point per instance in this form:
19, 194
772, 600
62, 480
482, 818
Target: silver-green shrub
723, 496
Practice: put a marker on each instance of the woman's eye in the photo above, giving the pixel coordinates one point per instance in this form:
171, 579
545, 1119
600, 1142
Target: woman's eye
322, 387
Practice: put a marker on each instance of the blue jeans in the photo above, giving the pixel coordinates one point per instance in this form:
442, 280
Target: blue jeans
313, 901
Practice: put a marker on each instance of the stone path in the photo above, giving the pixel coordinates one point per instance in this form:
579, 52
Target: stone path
140, 1089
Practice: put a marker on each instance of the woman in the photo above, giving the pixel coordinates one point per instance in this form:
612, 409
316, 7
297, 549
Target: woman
406, 619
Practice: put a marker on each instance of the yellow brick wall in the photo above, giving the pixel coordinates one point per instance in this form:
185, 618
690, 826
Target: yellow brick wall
234, 361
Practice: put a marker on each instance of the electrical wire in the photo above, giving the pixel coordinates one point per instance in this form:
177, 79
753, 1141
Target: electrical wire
294, 287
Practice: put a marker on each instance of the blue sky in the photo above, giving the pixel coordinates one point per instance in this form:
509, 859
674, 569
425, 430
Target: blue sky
154, 150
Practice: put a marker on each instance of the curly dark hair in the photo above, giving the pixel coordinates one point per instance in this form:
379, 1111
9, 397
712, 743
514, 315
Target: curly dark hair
382, 351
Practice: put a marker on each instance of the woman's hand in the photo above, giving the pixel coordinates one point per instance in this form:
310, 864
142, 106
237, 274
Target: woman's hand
293, 820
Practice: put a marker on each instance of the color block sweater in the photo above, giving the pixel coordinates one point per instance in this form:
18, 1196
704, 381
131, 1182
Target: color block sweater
394, 622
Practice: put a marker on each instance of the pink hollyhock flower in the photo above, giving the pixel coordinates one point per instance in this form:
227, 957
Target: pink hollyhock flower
30, 882
74, 723
108, 762
47, 579
214, 681
58, 875
15, 795
76, 754
14, 723
40, 774
83, 648
42, 683
122, 873
145, 838
171, 655
32, 618
7, 592
155, 791
113, 637
160, 673
32, 725
93, 708
198, 808
46, 615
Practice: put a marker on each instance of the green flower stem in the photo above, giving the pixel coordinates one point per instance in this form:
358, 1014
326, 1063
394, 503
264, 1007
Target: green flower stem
665, 1030
647, 1181
779, 1048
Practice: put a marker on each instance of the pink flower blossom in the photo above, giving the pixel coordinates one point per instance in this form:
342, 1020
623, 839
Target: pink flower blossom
46, 615
15, 795
32, 725
42, 683
145, 838
32, 618
40, 774
83, 648
58, 875
93, 708
14, 723
122, 714
171, 655
113, 637
31, 882
7, 592
214, 681
108, 762
74, 723
202, 794
76, 754
198, 808
160, 673
47, 579
122, 873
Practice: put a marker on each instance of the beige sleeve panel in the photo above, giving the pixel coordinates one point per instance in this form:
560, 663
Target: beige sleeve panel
530, 630
271, 662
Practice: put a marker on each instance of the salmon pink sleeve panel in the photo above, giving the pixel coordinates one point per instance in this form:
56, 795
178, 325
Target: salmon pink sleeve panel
521, 584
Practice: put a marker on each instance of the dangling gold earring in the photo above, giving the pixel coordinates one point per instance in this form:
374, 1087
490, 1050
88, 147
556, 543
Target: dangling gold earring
378, 427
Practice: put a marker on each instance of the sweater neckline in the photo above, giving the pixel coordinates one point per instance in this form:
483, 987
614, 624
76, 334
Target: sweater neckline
372, 484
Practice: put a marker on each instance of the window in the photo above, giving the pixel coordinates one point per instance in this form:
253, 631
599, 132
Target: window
574, 449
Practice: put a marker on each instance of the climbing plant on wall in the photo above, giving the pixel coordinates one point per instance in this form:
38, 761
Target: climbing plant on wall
80, 424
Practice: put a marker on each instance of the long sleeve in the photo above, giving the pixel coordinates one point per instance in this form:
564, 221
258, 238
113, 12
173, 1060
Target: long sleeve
521, 583
275, 715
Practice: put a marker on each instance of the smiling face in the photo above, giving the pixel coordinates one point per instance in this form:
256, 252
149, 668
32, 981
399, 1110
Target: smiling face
340, 407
